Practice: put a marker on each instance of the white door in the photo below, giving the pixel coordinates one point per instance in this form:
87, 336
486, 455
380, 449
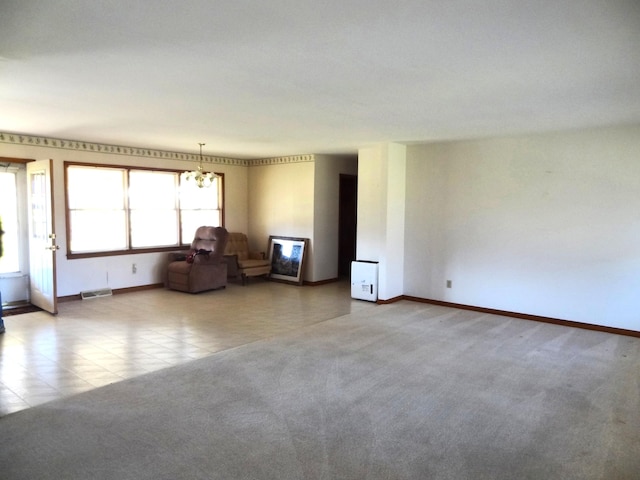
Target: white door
42, 237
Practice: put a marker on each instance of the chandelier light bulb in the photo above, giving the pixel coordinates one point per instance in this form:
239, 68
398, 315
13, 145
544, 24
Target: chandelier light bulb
199, 176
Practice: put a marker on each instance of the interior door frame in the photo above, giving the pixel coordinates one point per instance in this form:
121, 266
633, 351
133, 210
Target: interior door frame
347, 223
42, 239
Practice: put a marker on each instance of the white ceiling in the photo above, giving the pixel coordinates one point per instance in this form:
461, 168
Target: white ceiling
283, 77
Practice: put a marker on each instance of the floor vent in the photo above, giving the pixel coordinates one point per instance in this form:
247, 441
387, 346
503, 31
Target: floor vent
104, 292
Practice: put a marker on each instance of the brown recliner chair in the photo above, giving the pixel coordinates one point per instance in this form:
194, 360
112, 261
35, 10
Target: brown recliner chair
203, 267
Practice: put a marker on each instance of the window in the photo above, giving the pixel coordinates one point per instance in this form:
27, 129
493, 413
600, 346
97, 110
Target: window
154, 209
96, 202
114, 210
196, 207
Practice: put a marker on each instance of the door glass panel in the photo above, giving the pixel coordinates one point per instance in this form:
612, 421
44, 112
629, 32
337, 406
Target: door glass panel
39, 255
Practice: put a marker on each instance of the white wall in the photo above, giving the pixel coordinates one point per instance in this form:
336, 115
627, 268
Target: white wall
392, 268
78, 275
371, 203
381, 214
546, 225
326, 212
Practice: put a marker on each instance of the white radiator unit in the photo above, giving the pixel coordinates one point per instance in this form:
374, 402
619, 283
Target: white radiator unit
364, 280
103, 292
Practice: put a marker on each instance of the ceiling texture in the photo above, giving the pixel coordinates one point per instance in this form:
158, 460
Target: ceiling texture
256, 79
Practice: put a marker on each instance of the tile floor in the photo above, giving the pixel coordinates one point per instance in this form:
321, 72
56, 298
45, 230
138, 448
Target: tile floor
92, 343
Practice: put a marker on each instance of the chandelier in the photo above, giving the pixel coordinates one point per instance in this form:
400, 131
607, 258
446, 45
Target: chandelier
201, 178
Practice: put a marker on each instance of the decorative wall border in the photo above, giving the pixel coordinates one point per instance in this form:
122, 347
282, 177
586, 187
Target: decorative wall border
78, 145
281, 160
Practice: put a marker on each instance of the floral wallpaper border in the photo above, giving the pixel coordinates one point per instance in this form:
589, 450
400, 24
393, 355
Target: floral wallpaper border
38, 141
279, 160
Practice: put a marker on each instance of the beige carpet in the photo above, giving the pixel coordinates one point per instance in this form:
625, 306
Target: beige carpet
402, 391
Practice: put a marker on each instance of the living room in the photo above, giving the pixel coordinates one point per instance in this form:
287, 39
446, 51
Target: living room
529, 224
411, 97
495, 146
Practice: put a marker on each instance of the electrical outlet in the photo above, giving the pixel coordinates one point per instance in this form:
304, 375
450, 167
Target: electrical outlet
448, 283
134, 268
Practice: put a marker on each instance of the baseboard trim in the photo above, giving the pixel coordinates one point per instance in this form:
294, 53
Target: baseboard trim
71, 298
525, 316
391, 300
320, 282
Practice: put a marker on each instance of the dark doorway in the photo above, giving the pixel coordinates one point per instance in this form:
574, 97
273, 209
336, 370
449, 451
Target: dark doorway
347, 223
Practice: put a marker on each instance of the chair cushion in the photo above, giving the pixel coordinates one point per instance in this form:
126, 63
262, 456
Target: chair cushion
252, 263
237, 244
181, 267
213, 239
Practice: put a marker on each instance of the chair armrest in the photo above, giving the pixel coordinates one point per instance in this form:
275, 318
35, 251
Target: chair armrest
208, 259
256, 255
177, 256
